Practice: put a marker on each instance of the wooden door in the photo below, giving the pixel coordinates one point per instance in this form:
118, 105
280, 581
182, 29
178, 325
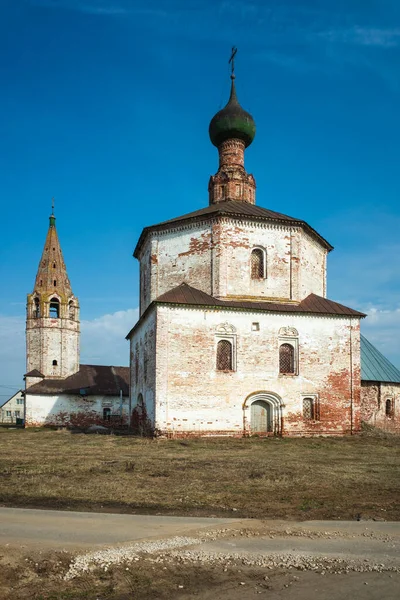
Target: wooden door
260, 418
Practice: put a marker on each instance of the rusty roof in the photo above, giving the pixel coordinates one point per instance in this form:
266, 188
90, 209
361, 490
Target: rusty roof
90, 380
34, 373
187, 295
236, 209
313, 304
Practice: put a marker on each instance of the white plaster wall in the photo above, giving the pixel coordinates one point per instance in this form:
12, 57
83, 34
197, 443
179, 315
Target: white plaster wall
143, 364
52, 339
170, 258
312, 271
216, 259
192, 396
45, 409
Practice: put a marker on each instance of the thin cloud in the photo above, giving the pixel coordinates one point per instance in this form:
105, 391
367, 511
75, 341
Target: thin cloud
364, 36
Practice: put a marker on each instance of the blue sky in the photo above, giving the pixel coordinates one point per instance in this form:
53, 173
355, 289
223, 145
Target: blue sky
105, 105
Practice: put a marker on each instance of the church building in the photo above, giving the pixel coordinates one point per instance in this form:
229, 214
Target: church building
236, 335
58, 389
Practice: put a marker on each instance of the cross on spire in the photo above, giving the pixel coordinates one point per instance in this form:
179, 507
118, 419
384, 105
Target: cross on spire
232, 61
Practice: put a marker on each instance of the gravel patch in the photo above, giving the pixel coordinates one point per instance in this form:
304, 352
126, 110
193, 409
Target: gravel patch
173, 550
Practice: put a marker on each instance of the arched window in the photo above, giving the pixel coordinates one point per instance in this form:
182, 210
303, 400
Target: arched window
389, 408
308, 408
286, 359
54, 363
36, 310
224, 356
257, 264
106, 414
55, 308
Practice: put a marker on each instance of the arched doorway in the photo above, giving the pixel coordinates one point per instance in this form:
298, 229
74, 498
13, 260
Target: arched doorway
263, 413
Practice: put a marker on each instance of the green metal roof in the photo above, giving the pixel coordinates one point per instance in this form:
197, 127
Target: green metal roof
375, 366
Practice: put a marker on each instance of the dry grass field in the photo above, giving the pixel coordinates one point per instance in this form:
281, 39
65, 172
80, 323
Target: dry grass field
312, 478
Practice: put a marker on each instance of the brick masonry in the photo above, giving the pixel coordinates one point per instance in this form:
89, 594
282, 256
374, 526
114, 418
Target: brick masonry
373, 405
192, 398
215, 257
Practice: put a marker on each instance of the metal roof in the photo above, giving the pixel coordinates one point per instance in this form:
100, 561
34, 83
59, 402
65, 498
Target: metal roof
236, 209
375, 366
186, 294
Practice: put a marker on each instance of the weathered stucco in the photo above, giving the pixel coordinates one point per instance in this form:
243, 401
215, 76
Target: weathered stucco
56, 410
215, 256
193, 398
143, 365
373, 405
49, 340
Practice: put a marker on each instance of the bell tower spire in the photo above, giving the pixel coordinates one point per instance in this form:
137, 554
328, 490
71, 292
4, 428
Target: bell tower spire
52, 325
232, 130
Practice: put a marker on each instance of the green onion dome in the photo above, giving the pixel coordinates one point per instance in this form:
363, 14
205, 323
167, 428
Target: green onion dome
232, 122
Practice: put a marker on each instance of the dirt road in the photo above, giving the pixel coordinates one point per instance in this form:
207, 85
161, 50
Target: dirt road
208, 559
70, 530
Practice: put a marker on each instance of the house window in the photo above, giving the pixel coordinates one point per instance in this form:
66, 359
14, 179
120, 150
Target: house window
224, 356
54, 308
258, 263
255, 326
286, 359
8, 413
106, 414
17, 413
20, 400
389, 408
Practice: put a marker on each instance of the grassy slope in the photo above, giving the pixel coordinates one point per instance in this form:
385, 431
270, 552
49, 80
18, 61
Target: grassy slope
292, 478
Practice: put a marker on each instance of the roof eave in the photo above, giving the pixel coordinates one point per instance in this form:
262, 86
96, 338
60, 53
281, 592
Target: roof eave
206, 217
248, 309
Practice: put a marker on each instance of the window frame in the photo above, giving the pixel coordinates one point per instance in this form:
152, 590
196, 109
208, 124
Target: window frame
264, 264
316, 416
232, 340
289, 335
389, 414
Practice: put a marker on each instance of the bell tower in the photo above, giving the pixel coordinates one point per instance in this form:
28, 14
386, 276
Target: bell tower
52, 323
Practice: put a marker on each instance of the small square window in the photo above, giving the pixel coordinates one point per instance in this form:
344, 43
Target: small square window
255, 326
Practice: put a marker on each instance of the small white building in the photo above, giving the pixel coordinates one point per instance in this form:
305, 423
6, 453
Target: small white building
12, 411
